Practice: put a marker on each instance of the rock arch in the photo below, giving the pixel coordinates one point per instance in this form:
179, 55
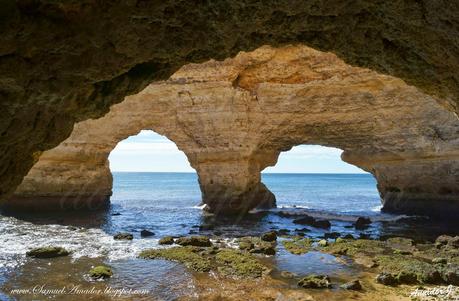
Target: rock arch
233, 118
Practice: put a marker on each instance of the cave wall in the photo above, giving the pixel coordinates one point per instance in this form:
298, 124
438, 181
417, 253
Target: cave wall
66, 61
233, 118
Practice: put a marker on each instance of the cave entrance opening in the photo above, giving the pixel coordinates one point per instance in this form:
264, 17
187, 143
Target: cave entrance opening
149, 167
316, 178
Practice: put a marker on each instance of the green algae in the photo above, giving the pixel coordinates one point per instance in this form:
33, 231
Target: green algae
188, 255
236, 263
100, 272
298, 246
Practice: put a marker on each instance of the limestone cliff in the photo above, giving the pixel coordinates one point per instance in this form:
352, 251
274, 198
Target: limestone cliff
233, 118
67, 61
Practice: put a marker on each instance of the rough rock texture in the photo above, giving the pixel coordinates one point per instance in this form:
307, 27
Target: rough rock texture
233, 118
67, 61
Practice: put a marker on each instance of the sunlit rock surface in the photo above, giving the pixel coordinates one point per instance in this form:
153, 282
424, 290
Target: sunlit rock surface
66, 61
233, 118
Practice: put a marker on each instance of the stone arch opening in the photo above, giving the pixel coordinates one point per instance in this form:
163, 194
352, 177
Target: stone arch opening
148, 151
233, 118
316, 178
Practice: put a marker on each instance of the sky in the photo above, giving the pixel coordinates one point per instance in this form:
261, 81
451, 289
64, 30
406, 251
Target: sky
150, 152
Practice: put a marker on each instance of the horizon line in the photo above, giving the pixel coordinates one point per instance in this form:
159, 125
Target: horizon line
191, 172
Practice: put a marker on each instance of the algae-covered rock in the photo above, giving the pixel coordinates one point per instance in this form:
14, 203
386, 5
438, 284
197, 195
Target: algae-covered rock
362, 223
264, 248
197, 241
298, 246
386, 279
246, 244
269, 236
353, 285
100, 272
166, 240
288, 275
322, 243
123, 236
315, 281
188, 255
401, 244
236, 263
257, 245
409, 270
47, 252
353, 247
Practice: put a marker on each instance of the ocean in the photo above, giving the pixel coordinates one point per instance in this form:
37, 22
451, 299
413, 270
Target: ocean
170, 204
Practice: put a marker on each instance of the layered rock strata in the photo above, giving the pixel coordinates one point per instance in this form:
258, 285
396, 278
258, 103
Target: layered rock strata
233, 118
62, 62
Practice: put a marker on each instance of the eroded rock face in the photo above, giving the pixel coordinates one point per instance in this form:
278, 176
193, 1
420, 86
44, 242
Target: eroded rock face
62, 62
233, 118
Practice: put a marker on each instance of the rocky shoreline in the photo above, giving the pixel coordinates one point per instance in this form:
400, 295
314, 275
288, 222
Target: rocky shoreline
391, 267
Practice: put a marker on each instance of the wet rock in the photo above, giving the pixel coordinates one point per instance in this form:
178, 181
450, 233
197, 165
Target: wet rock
246, 244
206, 227
288, 275
197, 241
305, 220
311, 221
116, 214
166, 240
189, 256
123, 236
323, 224
146, 233
362, 223
235, 263
353, 285
447, 241
348, 236
315, 281
283, 232
364, 236
298, 245
409, 270
365, 260
47, 252
451, 275
332, 235
264, 247
386, 279
256, 245
322, 243
100, 272
439, 260
402, 252
269, 236
401, 244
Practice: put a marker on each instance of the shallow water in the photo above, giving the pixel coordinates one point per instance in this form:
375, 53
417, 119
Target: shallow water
169, 204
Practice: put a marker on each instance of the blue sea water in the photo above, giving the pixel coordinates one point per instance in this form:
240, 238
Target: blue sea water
169, 203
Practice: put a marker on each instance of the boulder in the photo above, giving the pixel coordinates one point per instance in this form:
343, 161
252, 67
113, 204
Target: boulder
315, 281
353, 285
47, 252
362, 223
146, 233
166, 240
197, 241
269, 236
100, 272
123, 236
